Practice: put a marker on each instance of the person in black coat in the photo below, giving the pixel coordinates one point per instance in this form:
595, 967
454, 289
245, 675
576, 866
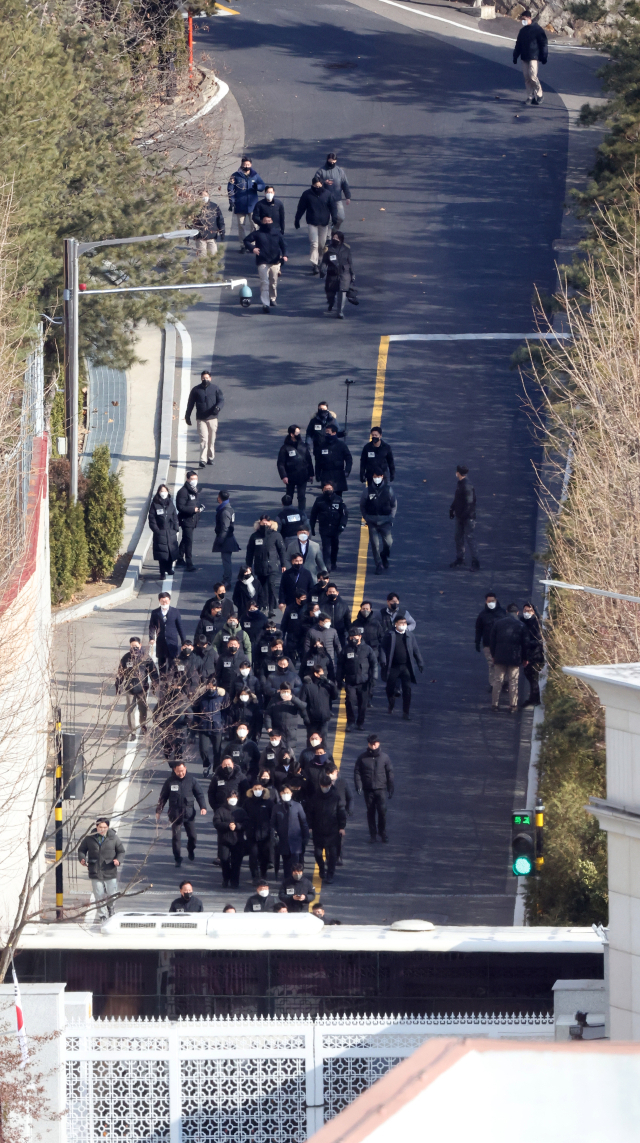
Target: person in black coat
260, 901
328, 821
189, 508
318, 692
399, 652
220, 597
334, 462
463, 511
337, 270
102, 852
373, 776
207, 400
267, 556
294, 626
319, 208
187, 902
258, 805
532, 47
296, 581
284, 713
136, 674
377, 454
205, 655
338, 611
225, 541
295, 466
508, 646
378, 506
254, 623
180, 791
318, 426
289, 519
229, 822
163, 521
534, 652
166, 633
238, 744
297, 889
270, 249
331, 515
491, 612
248, 589
270, 206
357, 669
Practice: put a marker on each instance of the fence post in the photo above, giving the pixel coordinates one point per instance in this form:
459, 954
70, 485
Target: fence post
175, 1082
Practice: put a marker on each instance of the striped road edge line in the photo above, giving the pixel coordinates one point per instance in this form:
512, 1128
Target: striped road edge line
553, 336
361, 572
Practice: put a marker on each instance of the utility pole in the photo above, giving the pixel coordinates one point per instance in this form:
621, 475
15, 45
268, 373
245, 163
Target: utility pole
71, 383
58, 818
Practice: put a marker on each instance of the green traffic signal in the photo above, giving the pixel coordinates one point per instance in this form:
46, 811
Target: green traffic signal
522, 866
523, 845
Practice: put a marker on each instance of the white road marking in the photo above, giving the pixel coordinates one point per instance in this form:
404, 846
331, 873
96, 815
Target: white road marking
474, 31
479, 336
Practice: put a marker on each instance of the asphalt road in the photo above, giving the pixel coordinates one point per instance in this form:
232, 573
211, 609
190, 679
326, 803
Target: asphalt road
458, 193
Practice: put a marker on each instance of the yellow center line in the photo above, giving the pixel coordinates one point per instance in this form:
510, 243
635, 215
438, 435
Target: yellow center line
361, 573
223, 8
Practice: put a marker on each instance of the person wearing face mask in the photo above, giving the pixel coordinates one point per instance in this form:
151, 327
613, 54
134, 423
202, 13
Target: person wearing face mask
328, 822
272, 755
315, 770
267, 556
509, 646
187, 902
316, 655
225, 541
163, 522
393, 611
534, 653
247, 589
304, 546
323, 632
284, 714
229, 822
209, 623
225, 778
258, 804
243, 189
331, 515
338, 611
189, 509
373, 776
319, 209
272, 680
227, 669
378, 505
399, 652
180, 791
260, 901
184, 672
270, 249
206, 657
166, 634
371, 626
318, 692
271, 207
491, 612
295, 466
337, 270
253, 623
246, 679
294, 626
377, 454
463, 511
268, 647
210, 224
297, 889
334, 179
136, 675
357, 668
246, 706
297, 580
533, 48
341, 787
288, 772
239, 745
290, 520
233, 630
317, 427
318, 595
334, 463
223, 601
209, 717
207, 400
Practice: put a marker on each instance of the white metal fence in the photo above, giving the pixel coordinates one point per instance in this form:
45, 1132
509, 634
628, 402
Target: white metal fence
235, 1080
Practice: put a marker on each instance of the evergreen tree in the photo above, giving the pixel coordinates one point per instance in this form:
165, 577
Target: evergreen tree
104, 509
67, 544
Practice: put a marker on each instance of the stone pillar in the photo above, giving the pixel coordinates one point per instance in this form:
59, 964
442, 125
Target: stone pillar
43, 1007
618, 688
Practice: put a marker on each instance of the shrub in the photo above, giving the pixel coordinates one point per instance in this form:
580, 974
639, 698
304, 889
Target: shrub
104, 514
68, 545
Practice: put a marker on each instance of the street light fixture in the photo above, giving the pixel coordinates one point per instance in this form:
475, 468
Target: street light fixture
72, 289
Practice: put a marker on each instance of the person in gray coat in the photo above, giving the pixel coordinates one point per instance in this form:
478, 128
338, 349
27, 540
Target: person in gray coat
398, 653
309, 549
337, 270
102, 852
334, 179
225, 541
323, 633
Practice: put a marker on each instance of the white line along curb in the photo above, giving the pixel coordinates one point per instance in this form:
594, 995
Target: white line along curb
474, 31
223, 89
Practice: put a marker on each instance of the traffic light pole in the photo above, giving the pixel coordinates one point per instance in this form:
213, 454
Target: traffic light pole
539, 835
71, 382
58, 819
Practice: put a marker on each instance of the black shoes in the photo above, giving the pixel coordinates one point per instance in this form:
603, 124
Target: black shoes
406, 716
202, 464
383, 837
191, 855
349, 728
458, 563
209, 462
328, 879
373, 839
180, 563
475, 564
266, 309
191, 567
314, 271
178, 862
339, 861
379, 569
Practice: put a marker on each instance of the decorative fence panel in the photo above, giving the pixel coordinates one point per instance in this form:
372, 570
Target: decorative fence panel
242, 1080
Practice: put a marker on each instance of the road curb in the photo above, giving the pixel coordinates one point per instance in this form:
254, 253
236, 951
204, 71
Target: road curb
215, 91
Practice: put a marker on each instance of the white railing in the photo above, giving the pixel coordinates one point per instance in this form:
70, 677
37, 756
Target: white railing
227, 1080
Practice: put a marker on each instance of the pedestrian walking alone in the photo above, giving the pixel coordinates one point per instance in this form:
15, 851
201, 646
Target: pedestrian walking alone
337, 270
491, 612
210, 224
243, 189
334, 179
328, 822
532, 47
373, 776
163, 522
399, 651
463, 511
207, 400
534, 652
319, 209
102, 852
270, 249
225, 541
508, 646
378, 505
179, 793
166, 633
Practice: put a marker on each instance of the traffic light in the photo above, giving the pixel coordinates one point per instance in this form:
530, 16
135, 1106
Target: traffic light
523, 844
73, 767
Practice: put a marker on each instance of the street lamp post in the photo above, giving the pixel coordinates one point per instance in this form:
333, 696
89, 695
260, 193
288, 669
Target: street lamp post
72, 250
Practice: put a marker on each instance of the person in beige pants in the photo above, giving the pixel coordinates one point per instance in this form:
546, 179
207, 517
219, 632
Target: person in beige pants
531, 48
319, 210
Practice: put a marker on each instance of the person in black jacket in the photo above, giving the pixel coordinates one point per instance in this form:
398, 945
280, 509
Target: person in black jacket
532, 48
377, 454
357, 669
283, 714
509, 652
242, 748
297, 580
136, 674
534, 652
331, 514
372, 632
319, 692
341, 787
260, 901
187, 902
270, 206
297, 889
102, 852
179, 791
270, 249
205, 656
399, 651
163, 521
463, 511
338, 611
290, 520
393, 611
207, 400
317, 428
328, 821
210, 224
266, 554
337, 270
294, 626
319, 208
295, 466
220, 598
378, 505
166, 633
189, 509
334, 462
225, 541
229, 822
258, 805
491, 612
247, 590
373, 776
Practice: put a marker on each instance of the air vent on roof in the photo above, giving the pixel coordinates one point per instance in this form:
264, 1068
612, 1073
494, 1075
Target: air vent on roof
137, 925
179, 925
